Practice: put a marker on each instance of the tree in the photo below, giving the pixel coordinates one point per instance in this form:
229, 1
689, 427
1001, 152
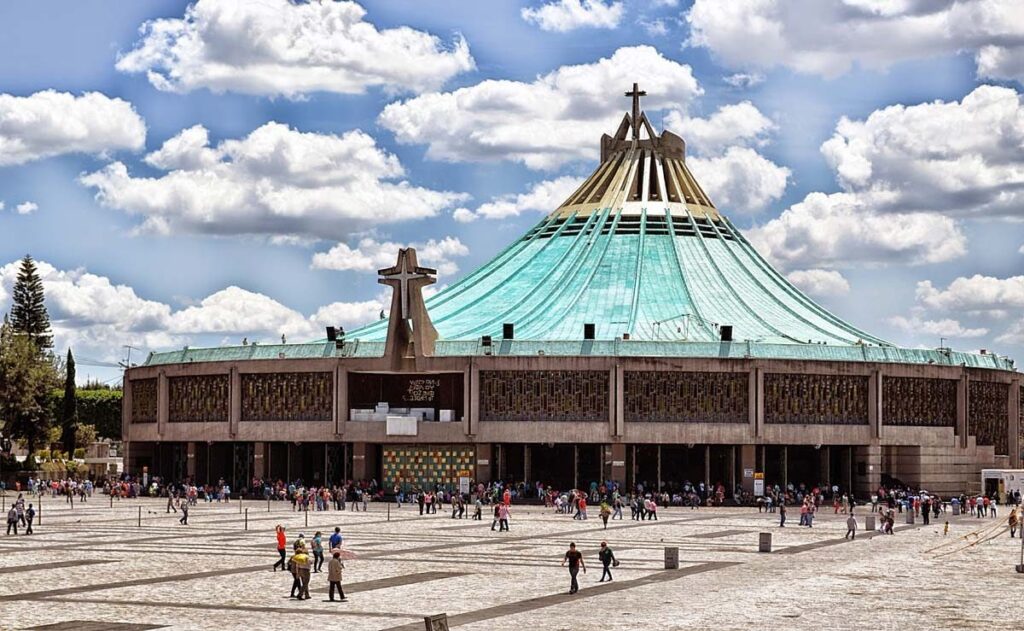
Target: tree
69, 413
28, 309
26, 378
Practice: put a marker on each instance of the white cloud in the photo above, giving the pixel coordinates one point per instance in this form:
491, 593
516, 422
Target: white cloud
744, 80
654, 28
741, 180
350, 314
557, 118
463, 215
820, 282
963, 158
946, 327
828, 37
25, 208
1014, 334
370, 255
278, 47
236, 310
543, 196
51, 123
567, 15
974, 294
840, 230
737, 124
1, 205
275, 181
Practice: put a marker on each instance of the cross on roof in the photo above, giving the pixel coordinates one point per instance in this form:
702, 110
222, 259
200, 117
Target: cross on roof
402, 275
636, 93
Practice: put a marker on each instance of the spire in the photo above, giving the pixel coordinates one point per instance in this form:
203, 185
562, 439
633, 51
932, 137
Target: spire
636, 93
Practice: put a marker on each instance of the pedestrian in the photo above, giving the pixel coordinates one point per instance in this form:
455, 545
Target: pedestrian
607, 558
336, 539
184, 514
497, 511
605, 514
318, 552
170, 502
782, 514
12, 520
30, 514
300, 560
1013, 522
503, 514
282, 544
334, 568
575, 561
851, 528
478, 512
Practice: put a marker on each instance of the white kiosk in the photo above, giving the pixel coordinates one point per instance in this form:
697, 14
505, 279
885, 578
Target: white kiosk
1002, 481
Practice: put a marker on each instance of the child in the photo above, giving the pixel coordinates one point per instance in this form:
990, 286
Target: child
334, 568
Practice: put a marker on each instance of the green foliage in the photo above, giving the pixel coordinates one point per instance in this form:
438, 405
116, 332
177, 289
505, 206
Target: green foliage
98, 409
69, 413
26, 378
28, 308
85, 434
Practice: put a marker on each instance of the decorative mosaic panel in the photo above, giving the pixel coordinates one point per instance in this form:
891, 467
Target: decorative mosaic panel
201, 399
1020, 417
144, 405
423, 466
687, 397
544, 395
988, 414
815, 399
288, 396
919, 401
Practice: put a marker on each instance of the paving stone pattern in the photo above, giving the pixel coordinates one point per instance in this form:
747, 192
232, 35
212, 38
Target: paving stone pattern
93, 567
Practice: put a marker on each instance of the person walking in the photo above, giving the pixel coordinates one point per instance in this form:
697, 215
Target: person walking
782, 514
1012, 521
503, 514
575, 561
30, 515
170, 502
300, 560
184, 514
497, 516
318, 552
605, 514
282, 545
335, 541
12, 520
334, 568
851, 528
607, 558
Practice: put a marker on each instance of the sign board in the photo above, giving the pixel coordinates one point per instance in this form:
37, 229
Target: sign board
618, 463
464, 486
482, 462
759, 475
436, 623
758, 488
748, 473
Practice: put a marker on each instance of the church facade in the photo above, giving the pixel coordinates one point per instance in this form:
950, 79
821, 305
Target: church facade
632, 335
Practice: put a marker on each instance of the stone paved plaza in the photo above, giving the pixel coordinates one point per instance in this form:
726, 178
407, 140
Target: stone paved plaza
93, 567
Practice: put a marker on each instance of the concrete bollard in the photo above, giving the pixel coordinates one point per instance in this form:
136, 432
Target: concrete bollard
910, 516
671, 558
869, 522
764, 542
438, 622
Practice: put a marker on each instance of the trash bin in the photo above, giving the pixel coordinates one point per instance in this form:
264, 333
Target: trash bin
671, 558
764, 543
869, 522
910, 516
956, 507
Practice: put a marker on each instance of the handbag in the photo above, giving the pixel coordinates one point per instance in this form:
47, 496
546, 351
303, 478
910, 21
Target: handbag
615, 563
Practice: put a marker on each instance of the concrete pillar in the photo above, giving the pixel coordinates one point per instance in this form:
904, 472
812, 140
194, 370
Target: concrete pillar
499, 457
259, 459
619, 462
483, 462
126, 420
190, 461
359, 461
527, 464
575, 466
732, 469
867, 470
748, 460
961, 409
235, 411
659, 468
467, 403
340, 400
752, 402
474, 402
618, 395
825, 465
759, 400
875, 403
162, 403
1014, 424
784, 457
707, 466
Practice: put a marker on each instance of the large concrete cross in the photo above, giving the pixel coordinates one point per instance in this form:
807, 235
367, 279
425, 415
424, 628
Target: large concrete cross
636, 93
406, 276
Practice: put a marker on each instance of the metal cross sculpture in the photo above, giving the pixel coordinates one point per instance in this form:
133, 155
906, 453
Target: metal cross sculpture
406, 275
636, 93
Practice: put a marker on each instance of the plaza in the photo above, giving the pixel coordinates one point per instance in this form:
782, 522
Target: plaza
93, 567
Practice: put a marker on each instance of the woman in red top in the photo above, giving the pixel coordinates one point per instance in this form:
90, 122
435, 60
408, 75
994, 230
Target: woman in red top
282, 545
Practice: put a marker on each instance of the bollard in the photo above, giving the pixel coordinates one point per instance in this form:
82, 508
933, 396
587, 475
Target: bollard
239, 505
671, 558
438, 622
307, 517
39, 516
111, 500
869, 522
268, 503
247, 519
389, 511
764, 542
910, 516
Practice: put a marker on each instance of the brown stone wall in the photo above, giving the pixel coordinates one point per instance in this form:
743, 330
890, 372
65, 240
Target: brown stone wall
291, 396
198, 399
988, 414
687, 397
919, 401
544, 395
144, 400
815, 399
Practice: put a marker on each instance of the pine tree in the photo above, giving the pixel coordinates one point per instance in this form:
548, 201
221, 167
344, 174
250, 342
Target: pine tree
69, 417
28, 311
26, 378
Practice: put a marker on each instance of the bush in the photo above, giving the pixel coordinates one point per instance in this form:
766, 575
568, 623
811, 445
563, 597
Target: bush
101, 408
80, 452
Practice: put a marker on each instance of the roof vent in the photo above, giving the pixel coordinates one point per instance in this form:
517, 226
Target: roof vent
508, 331
588, 331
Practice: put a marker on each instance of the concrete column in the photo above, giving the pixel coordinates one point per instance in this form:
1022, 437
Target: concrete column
1014, 424
867, 470
748, 460
732, 469
961, 409
126, 420
784, 457
527, 463
659, 468
162, 403
474, 401
825, 465
707, 466
619, 401
619, 462
190, 461
483, 462
340, 400
875, 419
759, 403
259, 459
235, 412
467, 403
359, 461
575, 466
752, 402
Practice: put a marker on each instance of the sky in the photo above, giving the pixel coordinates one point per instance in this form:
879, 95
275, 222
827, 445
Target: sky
196, 173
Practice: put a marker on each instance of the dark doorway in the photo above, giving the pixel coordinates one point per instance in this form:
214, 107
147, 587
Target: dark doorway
680, 464
645, 465
588, 466
551, 465
803, 466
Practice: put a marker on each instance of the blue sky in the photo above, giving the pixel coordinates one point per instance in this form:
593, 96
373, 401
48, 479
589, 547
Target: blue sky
905, 219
